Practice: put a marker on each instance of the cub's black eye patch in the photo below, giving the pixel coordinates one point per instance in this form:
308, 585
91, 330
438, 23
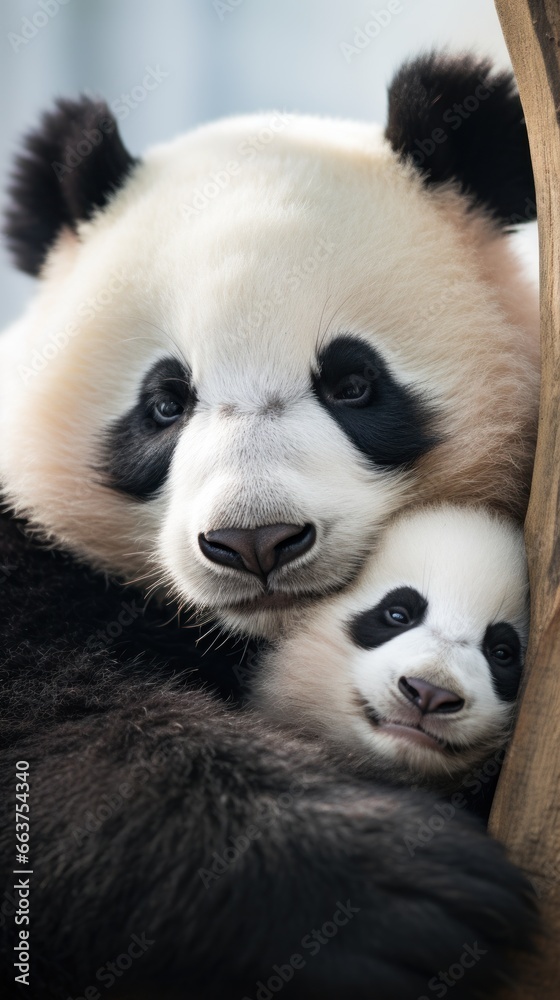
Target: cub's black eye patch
502, 649
138, 448
399, 611
387, 421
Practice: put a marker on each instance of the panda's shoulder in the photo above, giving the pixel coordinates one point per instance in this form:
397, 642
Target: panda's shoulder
64, 624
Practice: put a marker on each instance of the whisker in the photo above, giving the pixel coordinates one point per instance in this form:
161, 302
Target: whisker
338, 308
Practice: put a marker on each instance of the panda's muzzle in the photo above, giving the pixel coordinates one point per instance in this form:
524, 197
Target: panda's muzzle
260, 550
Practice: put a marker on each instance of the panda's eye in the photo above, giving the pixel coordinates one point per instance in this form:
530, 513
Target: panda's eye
400, 610
166, 411
397, 615
353, 390
501, 646
503, 655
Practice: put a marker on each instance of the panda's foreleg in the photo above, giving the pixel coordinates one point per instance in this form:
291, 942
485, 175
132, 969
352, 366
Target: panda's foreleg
180, 849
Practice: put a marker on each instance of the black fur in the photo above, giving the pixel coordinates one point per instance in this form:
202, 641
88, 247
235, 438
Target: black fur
506, 674
137, 451
391, 425
70, 166
374, 627
456, 120
139, 780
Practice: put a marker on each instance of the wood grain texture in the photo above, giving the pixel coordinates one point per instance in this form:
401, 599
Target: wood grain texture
526, 813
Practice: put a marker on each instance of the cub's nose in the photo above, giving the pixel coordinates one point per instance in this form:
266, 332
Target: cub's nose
429, 698
257, 550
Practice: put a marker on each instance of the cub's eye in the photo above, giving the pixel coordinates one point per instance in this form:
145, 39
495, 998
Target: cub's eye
501, 647
397, 616
167, 411
503, 655
399, 610
353, 390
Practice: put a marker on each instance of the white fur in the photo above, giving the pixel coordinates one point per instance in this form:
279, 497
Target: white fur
402, 266
470, 566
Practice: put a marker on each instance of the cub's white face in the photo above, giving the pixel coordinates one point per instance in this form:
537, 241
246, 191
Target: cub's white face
415, 669
225, 395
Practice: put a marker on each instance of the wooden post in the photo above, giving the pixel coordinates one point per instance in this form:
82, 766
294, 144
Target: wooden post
526, 812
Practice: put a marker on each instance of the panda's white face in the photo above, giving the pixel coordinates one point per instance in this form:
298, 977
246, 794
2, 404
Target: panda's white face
416, 668
226, 397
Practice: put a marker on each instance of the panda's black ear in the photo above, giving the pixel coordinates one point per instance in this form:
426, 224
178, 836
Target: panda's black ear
68, 168
458, 120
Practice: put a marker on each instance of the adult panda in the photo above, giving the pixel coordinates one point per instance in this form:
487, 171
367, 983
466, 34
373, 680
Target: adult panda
226, 403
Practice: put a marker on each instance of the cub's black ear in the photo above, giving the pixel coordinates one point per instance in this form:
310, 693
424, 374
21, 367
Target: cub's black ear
69, 167
457, 120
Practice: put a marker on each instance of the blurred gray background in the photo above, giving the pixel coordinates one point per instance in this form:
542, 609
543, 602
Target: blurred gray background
212, 58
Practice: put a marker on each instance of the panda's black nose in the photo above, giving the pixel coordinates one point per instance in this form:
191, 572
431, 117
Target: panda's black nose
257, 550
429, 698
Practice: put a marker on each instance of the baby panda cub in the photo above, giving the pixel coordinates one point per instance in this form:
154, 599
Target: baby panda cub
413, 672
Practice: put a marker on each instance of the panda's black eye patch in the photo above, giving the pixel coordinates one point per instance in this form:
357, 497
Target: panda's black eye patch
138, 448
399, 611
502, 649
387, 421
